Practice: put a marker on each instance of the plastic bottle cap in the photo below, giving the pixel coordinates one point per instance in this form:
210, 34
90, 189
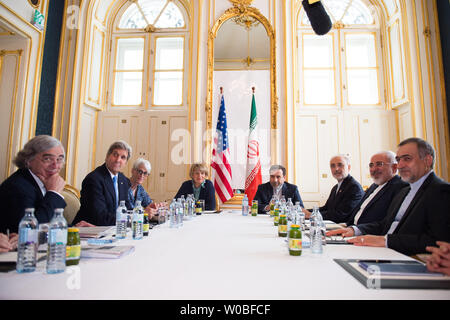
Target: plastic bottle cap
145, 214
73, 230
295, 226
283, 215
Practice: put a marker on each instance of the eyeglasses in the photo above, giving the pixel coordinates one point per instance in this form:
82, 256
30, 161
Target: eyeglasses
142, 173
51, 159
378, 164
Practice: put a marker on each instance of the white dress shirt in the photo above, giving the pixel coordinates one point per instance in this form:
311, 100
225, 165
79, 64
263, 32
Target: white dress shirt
42, 186
367, 201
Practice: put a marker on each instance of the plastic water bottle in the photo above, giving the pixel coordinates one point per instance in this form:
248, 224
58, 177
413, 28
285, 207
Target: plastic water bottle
121, 221
315, 231
245, 205
192, 206
57, 240
28, 242
138, 221
173, 214
321, 225
180, 212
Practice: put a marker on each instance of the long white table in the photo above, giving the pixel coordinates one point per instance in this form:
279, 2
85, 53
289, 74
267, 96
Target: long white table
215, 256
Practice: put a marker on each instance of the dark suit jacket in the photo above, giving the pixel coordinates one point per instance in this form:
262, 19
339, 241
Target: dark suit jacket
208, 193
265, 192
376, 209
98, 199
426, 220
21, 191
339, 206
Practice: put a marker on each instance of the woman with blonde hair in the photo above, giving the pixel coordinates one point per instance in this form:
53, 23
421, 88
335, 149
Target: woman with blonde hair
199, 186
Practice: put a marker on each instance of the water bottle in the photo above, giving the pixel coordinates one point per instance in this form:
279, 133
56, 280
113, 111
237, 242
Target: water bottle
312, 217
28, 242
321, 225
193, 206
57, 240
315, 231
121, 221
187, 208
300, 215
180, 212
138, 221
245, 205
173, 214
290, 206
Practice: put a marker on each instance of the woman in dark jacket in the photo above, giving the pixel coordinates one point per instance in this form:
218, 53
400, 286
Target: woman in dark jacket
199, 186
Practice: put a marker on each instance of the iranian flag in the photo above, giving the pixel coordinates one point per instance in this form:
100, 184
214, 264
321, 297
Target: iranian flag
253, 176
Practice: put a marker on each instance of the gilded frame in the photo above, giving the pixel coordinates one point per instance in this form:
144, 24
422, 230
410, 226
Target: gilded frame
228, 14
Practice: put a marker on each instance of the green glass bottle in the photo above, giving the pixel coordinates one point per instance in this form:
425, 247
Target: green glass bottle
295, 240
254, 208
282, 226
276, 216
73, 247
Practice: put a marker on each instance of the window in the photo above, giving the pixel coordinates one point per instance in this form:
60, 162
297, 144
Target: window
128, 71
168, 82
340, 68
149, 49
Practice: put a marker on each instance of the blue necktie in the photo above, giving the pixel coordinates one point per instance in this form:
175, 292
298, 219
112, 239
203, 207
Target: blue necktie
116, 189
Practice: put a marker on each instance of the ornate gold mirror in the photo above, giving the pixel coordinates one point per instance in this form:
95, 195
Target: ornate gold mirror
246, 25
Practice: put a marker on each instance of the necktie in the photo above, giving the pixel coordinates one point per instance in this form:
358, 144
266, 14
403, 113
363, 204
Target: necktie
401, 211
116, 190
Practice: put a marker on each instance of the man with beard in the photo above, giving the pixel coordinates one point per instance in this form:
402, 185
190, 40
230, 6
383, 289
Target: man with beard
386, 184
344, 196
277, 186
419, 215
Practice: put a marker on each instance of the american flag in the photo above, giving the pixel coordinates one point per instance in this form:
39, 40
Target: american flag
220, 155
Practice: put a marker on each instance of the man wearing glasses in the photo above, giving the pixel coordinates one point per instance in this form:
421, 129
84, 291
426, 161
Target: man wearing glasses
36, 183
419, 215
386, 184
104, 188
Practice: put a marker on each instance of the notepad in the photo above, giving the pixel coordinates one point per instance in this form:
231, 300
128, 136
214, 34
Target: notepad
397, 268
105, 252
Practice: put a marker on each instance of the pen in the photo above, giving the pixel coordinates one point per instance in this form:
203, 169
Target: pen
7, 233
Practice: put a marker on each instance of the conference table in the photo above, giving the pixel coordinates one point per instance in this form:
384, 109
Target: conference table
223, 256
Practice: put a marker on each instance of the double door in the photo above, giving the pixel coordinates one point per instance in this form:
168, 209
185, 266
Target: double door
321, 134
159, 137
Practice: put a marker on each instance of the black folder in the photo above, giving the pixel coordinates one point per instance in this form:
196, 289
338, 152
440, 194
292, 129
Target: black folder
383, 281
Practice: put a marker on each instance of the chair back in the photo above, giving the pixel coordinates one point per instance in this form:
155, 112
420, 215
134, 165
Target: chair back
72, 198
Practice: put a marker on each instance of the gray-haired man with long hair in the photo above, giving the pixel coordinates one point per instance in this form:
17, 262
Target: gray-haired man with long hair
36, 183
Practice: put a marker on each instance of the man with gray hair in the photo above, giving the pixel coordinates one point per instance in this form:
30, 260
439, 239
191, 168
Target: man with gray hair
419, 215
344, 196
105, 187
36, 183
277, 186
386, 184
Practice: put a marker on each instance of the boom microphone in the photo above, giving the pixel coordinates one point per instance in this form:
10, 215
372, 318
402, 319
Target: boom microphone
320, 20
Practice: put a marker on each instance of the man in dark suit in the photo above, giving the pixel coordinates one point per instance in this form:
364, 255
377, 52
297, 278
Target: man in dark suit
386, 184
278, 186
36, 183
344, 196
105, 187
419, 215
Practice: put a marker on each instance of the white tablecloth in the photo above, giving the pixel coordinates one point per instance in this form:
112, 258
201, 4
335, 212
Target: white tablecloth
215, 256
